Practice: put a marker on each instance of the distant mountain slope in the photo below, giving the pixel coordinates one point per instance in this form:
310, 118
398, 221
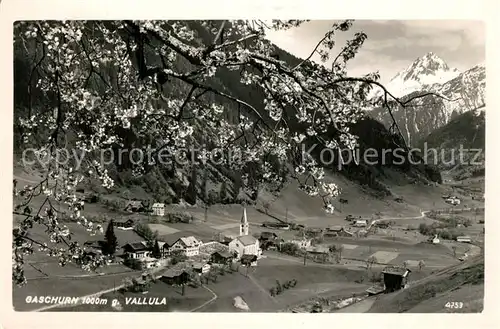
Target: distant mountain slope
467, 132
463, 91
423, 72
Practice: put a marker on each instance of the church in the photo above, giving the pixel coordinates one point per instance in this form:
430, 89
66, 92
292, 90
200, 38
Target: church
245, 244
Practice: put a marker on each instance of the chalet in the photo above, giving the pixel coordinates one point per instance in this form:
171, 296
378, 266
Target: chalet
302, 244
466, 239
249, 260
201, 268
360, 223
315, 230
349, 218
175, 277
94, 246
221, 258
137, 250
124, 225
382, 224
188, 245
319, 250
143, 263
271, 244
245, 245
135, 206
337, 231
268, 236
395, 278
158, 209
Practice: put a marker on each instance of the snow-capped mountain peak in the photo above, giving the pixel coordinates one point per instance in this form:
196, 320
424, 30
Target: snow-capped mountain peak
424, 72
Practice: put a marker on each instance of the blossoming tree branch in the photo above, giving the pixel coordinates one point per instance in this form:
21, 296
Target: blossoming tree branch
94, 83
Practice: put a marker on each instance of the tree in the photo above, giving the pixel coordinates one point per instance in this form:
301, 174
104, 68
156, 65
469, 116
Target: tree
177, 256
205, 193
340, 249
247, 263
131, 84
236, 189
192, 192
111, 242
266, 206
370, 261
223, 192
212, 274
156, 250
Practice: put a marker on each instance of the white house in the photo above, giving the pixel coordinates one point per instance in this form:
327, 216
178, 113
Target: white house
189, 246
201, 268
361, 223
137, 250
464, 238
158, 209
453, 201
245, 245
303, 244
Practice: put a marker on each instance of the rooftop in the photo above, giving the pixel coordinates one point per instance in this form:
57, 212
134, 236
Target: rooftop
268, 234
224, 254
248, 257
173, 272
190, 241
396, 270
136, 246
375, 289
170, 239
247, 240
318, 250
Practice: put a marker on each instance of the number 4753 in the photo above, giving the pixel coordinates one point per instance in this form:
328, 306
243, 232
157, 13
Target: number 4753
454, 305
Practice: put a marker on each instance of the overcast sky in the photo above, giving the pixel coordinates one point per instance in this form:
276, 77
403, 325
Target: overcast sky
394, 44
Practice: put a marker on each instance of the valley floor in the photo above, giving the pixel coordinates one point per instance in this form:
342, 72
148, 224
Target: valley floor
395, 245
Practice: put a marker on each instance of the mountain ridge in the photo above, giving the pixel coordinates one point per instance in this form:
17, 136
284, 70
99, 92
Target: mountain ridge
462, 93
423, 72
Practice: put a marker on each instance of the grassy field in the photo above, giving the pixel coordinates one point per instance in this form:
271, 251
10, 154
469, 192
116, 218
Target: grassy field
71, 287
175, 302
311, 281
434, 289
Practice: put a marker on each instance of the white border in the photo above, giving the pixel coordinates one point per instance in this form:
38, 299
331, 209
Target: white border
11, 10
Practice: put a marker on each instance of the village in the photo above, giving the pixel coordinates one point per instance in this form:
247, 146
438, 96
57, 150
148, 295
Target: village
163, 251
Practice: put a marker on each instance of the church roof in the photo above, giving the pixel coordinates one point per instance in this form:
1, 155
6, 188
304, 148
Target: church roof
247, 240
244, 219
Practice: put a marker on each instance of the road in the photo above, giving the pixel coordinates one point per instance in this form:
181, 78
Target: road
207, 302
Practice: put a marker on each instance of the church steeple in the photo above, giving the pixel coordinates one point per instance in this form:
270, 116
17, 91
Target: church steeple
244, 223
